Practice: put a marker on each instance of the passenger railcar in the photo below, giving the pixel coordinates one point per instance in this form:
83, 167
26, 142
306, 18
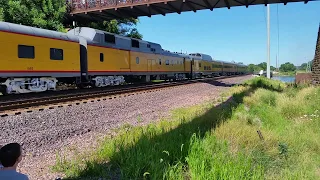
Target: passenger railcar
35, 60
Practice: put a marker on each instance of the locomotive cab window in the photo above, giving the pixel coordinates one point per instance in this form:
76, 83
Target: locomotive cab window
135, 43
56, 54
26, 51
101, 57
109, 38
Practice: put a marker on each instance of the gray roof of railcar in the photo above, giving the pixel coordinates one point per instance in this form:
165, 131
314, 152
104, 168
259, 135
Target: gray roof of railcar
201, 56
22, 29
96, 37
227, 62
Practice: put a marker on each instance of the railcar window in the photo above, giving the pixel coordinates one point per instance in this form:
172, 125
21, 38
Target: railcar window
26, 51
101, 57
205, 67
199, 64
216, 66
159, 61
137, 60
148, 46
56, 54
135, 43
109, 38
167, 62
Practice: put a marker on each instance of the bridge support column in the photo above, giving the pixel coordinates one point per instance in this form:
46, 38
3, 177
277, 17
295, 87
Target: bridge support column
316, 62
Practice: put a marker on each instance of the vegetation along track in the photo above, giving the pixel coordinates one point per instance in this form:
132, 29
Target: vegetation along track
14, 103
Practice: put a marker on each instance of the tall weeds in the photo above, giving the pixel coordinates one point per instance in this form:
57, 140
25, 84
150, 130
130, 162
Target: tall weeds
218, 142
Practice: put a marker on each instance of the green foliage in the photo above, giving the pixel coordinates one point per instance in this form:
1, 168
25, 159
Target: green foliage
254, 68
303, 66
46, 14
1, 14
287, 67
52, 14
263, 66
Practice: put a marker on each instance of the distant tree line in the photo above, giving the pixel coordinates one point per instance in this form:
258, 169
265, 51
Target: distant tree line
286, 67
259, 67
304, 65
54, 14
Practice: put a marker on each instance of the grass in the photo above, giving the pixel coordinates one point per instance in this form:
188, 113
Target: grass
211, 141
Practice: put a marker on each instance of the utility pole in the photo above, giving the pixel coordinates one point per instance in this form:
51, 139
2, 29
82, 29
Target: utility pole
276, 62
268, 41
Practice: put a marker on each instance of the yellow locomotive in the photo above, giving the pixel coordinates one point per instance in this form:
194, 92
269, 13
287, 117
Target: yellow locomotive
34, 60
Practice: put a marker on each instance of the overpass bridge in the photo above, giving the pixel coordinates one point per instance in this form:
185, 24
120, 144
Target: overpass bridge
117, 9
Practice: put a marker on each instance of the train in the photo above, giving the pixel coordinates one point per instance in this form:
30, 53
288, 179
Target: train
37, 60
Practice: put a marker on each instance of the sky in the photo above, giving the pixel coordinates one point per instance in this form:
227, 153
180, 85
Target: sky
239, 34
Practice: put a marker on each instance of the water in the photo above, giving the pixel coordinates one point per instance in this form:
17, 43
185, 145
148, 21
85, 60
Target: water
286, 79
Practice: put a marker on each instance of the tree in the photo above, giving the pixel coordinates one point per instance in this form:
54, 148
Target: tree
46, 14
53, 15
1, 14
263, 66
303, 66
254, 68
251, 67
287, 67
272, 68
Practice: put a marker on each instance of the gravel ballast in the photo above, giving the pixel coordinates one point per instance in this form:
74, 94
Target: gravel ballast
42, 133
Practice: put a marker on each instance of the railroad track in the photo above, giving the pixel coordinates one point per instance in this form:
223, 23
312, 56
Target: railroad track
84, 96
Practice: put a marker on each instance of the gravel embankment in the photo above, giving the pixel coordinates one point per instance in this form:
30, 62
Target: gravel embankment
42, 133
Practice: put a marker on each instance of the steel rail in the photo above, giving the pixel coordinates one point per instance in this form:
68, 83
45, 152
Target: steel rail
10, 105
